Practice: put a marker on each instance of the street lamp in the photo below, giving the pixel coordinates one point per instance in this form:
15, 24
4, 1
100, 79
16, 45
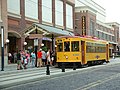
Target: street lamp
25, 43
2, 48
6, 42
42, 44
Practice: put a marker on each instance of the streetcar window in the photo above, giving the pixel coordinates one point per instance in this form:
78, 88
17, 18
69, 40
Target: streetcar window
88, 49
60, 47
66, 46
75, 46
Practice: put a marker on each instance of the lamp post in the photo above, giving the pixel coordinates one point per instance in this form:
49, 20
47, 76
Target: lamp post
52, 43
36, 44
2, 48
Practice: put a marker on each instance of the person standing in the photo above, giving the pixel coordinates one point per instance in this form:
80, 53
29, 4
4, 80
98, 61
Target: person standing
43, 58
28, 58
33, 57
15, 57
49, 58
19, 60
9, 58
39, 56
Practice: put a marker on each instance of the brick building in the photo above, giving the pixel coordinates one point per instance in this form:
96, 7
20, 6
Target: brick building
90, 20
23, 20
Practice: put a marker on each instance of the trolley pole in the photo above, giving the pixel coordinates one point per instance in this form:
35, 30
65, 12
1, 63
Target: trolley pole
2, 48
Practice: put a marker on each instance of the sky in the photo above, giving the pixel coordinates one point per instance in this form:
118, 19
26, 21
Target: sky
112, 9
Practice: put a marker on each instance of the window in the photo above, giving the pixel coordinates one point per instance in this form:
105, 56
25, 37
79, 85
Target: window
75, 46
47, 11
13, 6
92, 28
60, 47
69, 16
95, 48
88, 49
31, 9
59, 12
66, 46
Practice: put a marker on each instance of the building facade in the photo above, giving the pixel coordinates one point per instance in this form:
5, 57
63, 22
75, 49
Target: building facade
90, 20
25, 20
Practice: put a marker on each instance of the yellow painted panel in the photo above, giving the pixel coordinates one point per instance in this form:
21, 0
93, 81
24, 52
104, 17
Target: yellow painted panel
68, 57
95, 56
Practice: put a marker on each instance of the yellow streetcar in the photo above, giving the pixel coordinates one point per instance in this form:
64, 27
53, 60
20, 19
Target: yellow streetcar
81, 50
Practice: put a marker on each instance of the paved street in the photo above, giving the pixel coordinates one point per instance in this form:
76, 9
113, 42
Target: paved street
100, 77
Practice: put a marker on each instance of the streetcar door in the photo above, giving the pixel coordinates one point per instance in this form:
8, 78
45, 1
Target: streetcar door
83, 52
107, 52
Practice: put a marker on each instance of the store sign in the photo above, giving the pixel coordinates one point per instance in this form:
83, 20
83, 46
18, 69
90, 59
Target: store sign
83, 25
36, 42
33, 36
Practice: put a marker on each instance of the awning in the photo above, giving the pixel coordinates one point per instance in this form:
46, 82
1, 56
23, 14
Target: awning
113, 43
48, 30
46, 38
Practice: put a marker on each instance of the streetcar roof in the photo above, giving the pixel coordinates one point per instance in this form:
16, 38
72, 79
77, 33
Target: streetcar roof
84, 37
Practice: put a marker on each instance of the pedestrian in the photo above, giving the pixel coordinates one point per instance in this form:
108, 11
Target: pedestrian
48, 58
53, 57
15, 57
18, 60
25, 62
39, 56
28, 58
33, 57
22, 59
113, 55
9, 58
43, 58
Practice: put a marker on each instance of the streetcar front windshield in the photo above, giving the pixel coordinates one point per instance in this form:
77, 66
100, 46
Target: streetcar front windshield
75, 46
66, 46
60, 47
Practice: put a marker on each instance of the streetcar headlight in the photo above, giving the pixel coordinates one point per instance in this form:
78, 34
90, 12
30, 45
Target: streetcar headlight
66, 57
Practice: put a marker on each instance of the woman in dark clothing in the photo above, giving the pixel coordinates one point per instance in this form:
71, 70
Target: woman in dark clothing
18, 60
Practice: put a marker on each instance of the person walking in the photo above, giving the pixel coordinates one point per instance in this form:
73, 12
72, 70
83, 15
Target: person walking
33, 57
39, 56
